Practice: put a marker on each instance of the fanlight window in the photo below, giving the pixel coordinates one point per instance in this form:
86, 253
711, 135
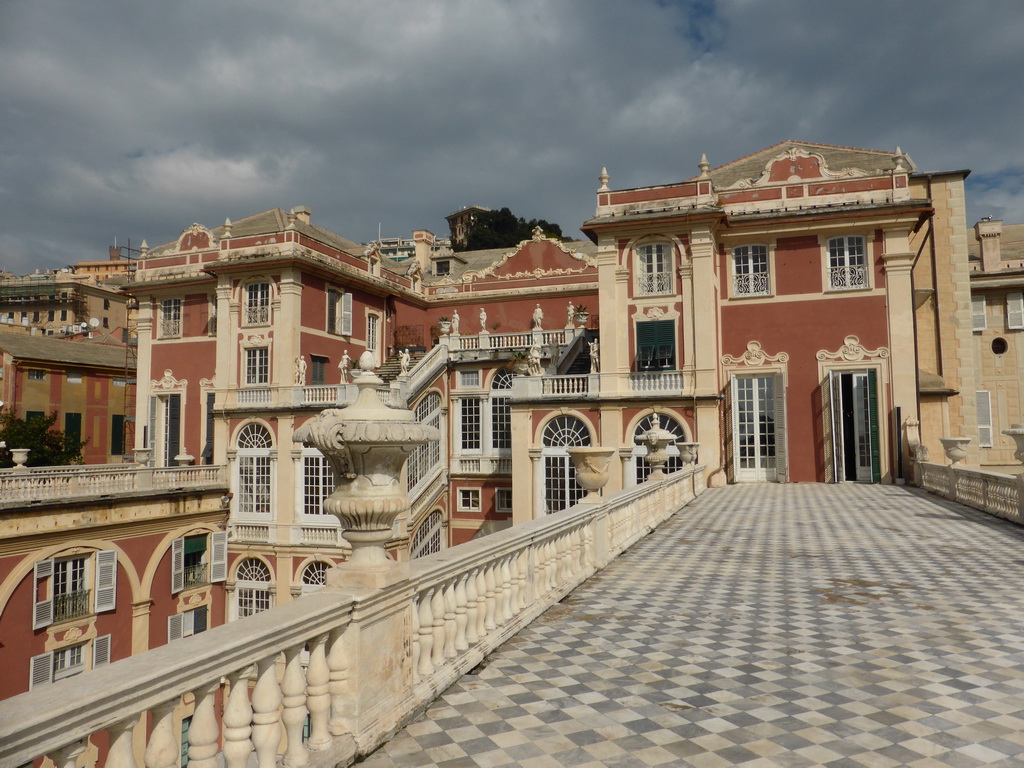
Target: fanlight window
560, 487
252, 588
254, 481
427, 456
315, 574
501, 410
647, 423
427, 540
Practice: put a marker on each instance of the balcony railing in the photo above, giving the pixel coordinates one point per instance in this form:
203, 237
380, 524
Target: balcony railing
257, 315
847, 278
993, 492
483, 465
72, 605
755, 284
170, 329
665, 382
375, 657
63, 483
512, 341
196, 575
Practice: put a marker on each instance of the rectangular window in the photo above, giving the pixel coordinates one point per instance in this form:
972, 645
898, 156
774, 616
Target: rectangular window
49, 316
63, 315
469, 379
117, 435
979, 318
257, 304
106, 322
442, 267
29, 415
1015, 311
35, 374
333, 311
73, 426
318, 374
187, 623
469, 423
69, 661
119, 382
318, 483
207, 457
196, 574
654, 275
71, 596
655, 345
106, 303
257, 365
170, 319
372, 332
74, 378
984, 400
847, 264
750, 271
501, 422
503, 499
469, 499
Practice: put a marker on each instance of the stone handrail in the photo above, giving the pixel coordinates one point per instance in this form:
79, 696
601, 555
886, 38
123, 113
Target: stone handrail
81, 481
426, 370
657, 381
510, 341
992, 492
376, 656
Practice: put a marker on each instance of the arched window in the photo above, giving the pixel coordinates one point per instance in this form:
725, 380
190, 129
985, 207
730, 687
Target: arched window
315, 574
647, 423
425, 457
501, 410
428, 538
252, 587
254, 444
560, 487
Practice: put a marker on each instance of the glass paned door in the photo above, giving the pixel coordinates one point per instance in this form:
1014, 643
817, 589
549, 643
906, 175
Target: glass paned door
854, 424
754, 435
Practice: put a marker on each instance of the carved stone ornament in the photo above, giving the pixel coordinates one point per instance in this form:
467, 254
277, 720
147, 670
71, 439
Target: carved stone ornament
196, 237
795, 153
168, 381
538, 236
755, 355
73, 634
851, 352
206, 383
367, 445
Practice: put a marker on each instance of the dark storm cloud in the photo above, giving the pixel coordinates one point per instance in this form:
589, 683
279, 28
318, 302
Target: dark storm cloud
127, 119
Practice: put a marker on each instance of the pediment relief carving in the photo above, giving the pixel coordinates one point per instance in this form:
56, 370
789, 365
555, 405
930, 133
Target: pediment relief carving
754, 356
654, 313
852, 351
168, 381
796, 166
584, 260
195, 238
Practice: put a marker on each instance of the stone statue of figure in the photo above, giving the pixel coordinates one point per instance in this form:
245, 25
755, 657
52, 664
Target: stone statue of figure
534, 362
455, 321
483, 320
595, 356
570, 312
343, 367
403, 360
300, 370
538, 317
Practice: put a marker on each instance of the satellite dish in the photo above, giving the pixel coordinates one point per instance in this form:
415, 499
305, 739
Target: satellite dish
85, 327
94, 322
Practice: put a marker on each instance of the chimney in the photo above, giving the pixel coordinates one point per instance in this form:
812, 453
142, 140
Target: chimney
302, 213
988, 232
114, 253
424, 241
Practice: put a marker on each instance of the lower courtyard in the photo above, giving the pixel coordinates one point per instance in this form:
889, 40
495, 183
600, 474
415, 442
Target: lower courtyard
764, 625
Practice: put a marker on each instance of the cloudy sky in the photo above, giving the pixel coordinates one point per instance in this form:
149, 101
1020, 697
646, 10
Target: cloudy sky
127, 119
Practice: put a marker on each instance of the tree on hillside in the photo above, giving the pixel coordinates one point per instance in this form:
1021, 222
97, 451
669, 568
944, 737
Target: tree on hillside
47, 446
503, 229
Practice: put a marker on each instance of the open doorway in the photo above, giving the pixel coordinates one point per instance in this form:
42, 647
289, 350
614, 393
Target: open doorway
854, 422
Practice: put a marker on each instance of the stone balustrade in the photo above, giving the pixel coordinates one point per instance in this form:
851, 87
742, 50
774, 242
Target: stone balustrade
660, 382
992, 492
358, 662
510, 341
78, 482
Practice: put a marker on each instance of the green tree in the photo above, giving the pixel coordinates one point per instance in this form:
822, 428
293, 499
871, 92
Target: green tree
503, 229
47, 446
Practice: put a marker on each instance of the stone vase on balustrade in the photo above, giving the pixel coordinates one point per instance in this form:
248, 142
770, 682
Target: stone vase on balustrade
591, 464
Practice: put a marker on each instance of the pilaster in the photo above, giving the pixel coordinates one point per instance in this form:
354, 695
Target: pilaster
704, 293
899, 261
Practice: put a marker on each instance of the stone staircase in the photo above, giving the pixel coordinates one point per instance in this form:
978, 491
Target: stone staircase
392, 367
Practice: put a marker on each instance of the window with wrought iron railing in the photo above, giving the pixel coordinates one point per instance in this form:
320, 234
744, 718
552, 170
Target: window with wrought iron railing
847, 264
257, 304
750, 271
654, 274
72, 605
170, 318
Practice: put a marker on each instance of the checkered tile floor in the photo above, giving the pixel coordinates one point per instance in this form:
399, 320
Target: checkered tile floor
798, 625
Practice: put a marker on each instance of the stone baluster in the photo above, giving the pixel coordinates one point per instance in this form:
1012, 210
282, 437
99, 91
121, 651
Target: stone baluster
122, 748
237, 722
586, 554
472, 637
506, 591
449, 620
426, 622
499, 594
293, 699
266, 714
164, 748
516, 590
437, 609
481, 602
523, 566
489, 624
204, 732
577, 549
414, 627
460, 613
67, 757
340, 666
561, 550
318, 697
551, 565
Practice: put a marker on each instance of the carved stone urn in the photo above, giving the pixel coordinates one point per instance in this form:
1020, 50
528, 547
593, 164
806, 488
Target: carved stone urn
143, 456
591, 463
20, 456
688, 452
367, 445
955, 448
1016, 431
657, 441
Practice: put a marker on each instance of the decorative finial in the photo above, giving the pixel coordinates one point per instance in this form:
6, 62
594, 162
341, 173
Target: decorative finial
703, 165
899, 157
227, 227
144, 248
603, 178
368, 362
291, 220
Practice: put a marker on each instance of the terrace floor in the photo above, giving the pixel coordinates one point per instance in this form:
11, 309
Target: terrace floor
765, 625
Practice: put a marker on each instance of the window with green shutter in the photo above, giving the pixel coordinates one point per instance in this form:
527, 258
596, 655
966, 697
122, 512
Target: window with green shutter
655, 345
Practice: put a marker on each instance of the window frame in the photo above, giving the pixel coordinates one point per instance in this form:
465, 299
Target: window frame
470, 499
850, 281
764, 286
654, 261
257, 366
257, 299
169, 325
979, 312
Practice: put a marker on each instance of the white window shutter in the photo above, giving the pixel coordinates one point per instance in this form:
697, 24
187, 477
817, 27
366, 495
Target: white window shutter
177, 566
42, 611
218, 556
41, 670
1015, 311
984, 401
346, 314
106, 580
175, 625
979, 321
101, 651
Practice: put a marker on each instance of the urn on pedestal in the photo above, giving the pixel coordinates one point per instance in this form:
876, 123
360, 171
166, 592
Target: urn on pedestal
657, 441
956, 448
591, 463
1016, 431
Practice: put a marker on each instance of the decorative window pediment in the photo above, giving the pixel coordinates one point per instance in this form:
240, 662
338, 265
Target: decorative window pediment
852, 351
755, 356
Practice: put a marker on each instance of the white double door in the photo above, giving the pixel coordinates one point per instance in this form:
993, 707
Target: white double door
757, 410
